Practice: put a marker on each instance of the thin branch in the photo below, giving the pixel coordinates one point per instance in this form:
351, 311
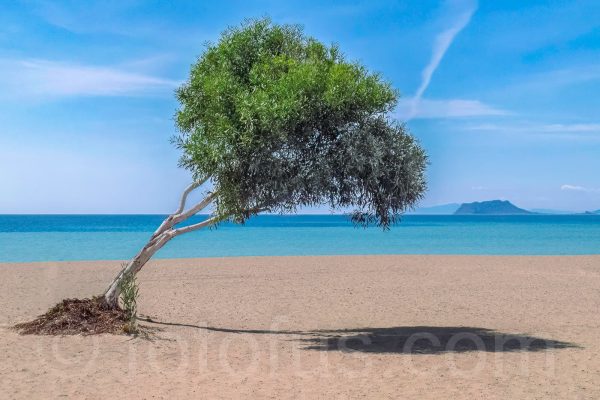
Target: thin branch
211, 221
195, 209
186, 192
175, 218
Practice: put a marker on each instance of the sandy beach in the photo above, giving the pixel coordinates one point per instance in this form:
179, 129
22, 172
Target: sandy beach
422, 327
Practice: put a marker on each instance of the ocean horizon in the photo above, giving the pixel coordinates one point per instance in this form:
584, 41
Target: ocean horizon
51, 237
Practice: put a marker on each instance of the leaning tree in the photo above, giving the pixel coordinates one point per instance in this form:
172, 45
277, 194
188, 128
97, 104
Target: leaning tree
270, 120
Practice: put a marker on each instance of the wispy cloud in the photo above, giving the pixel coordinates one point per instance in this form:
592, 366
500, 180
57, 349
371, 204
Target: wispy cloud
128, 19
554, 80
554, 129
90, 17
43, 78
576, 188
570, 128
451, 108
440, 46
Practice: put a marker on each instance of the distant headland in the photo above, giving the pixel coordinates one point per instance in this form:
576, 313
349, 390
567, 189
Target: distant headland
492, 207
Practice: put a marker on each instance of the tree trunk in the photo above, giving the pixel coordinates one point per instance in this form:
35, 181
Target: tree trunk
165, 232
111, 295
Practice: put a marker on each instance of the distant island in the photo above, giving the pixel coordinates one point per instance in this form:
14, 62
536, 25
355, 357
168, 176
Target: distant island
493, 207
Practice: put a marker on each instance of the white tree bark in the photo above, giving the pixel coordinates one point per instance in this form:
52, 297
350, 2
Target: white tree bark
165, 232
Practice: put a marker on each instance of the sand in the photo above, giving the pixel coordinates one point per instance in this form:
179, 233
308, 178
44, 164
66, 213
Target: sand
318, 327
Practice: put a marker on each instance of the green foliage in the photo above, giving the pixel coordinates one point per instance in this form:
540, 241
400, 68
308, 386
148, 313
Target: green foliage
129, 294
279, 120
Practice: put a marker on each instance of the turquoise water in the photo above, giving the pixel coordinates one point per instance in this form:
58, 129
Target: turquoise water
102, 237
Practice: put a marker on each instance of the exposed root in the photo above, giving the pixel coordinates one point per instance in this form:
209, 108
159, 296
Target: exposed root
77, 317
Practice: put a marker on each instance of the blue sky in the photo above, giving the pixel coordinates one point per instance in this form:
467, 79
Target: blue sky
504, 95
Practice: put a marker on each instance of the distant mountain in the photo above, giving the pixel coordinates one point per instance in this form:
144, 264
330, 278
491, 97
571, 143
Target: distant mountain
444, 209
493, 207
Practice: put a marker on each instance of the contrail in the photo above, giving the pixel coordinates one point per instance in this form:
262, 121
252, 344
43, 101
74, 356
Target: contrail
440, 46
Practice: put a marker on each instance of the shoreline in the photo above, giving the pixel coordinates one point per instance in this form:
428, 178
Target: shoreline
234, 257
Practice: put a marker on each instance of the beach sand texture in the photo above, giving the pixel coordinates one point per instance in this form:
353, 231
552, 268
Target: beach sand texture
419, 327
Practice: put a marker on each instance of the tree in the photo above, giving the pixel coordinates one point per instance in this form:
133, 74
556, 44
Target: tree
276, 120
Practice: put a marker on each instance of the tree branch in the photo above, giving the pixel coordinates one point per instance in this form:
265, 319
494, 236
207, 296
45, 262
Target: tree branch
211, 221
177, 216
195, 209
186, 192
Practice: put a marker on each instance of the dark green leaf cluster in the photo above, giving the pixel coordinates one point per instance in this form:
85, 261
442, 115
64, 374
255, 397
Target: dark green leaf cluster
278, 120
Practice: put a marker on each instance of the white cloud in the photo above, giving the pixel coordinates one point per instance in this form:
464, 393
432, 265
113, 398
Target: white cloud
43, 78
449, 108
126, 18
89, 17
576, 188
440, 46
569, 130
557, 79
576, 128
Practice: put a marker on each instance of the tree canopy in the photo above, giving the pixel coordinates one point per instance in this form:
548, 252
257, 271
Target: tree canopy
277, 120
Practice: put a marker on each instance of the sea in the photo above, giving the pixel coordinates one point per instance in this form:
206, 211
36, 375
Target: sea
28, 238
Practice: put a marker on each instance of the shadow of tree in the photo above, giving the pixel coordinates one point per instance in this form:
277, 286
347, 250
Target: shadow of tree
405, 339
428, 340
